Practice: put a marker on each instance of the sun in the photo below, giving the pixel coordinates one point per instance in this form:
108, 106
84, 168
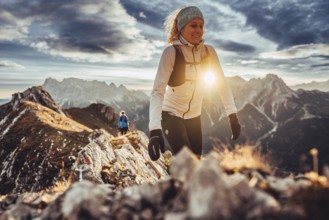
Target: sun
209, 78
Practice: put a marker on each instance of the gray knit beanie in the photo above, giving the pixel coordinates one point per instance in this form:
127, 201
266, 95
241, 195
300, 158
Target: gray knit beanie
186, 15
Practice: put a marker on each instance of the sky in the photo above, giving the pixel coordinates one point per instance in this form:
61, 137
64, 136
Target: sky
122, 41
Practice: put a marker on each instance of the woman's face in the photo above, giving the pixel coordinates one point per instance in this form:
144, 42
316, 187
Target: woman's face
193, 31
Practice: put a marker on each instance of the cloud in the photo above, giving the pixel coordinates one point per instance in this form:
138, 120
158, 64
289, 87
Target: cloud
155, 11
288, 23
251, 36
225, 27
321, 65
142, 15
117, 31
249, 61
298, 52
234, 46
11, 64
78, 30
12, 28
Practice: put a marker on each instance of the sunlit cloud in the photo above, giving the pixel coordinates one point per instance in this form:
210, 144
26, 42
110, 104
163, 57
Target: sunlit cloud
142, 15
12, 28
288, 23
299, 51
11, 64
249, 61
98, 32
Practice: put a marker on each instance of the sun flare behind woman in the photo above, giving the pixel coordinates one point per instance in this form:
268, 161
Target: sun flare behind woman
209, 78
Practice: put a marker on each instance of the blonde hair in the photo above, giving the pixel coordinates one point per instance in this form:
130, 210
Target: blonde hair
170, 26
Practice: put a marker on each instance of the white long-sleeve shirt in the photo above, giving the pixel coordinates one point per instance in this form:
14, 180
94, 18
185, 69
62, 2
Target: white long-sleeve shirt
185, 100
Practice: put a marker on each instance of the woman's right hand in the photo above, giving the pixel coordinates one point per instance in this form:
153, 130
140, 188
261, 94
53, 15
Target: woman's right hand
156, 144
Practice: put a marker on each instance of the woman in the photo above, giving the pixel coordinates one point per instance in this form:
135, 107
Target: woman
176, 99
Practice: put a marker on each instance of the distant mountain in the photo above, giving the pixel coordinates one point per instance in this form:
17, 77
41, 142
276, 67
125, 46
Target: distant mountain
42, 145
283, 122
97, 116
321, 86
78, 93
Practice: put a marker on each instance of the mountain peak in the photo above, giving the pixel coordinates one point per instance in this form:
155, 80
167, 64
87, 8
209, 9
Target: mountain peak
50, 80
274, 78
275, 84
35, 94
267, 94
121, 86
270, 84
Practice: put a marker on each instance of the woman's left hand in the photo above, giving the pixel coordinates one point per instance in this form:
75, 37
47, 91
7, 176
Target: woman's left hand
235, 126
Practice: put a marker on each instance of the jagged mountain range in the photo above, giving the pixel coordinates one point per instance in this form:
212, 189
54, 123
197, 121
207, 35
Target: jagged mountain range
321, 86
78, 93
283, 122
73, 92
267, 108
44, 147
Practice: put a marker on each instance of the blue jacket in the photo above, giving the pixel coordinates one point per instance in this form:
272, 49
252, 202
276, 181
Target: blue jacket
123, 121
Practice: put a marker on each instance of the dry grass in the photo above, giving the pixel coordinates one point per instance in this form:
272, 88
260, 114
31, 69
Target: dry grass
60, 186
129, 138
317, 180
243, 157
117, 142
56, 120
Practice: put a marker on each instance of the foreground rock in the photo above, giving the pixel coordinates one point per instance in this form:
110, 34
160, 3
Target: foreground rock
195, 190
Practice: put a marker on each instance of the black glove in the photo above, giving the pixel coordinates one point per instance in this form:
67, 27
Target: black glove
235, 126
156, 144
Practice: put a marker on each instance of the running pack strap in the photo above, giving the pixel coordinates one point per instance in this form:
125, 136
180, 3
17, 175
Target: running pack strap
177, 76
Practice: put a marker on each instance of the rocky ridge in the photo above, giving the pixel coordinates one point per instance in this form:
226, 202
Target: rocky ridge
40, 147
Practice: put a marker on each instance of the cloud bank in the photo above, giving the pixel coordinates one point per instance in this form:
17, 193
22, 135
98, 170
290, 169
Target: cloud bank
100, 31
61, 38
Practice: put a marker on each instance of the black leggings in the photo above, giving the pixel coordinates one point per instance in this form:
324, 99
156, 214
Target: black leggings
123, 130
181, 132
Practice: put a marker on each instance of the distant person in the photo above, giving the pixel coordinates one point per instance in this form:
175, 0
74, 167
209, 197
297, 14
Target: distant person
176, 98
123, 123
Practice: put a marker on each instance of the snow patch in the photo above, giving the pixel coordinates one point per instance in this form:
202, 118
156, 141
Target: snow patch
306, 115
12, 123
3, 121
9, 163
